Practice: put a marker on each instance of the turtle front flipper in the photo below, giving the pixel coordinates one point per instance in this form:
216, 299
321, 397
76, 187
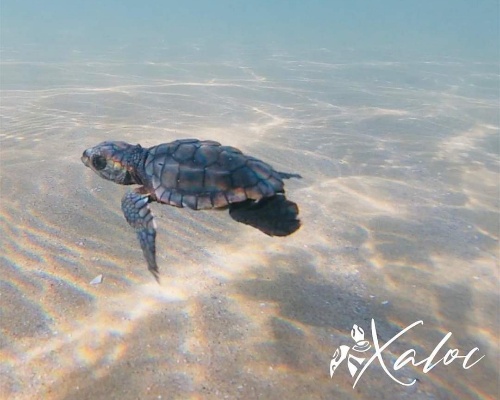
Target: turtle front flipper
135, 206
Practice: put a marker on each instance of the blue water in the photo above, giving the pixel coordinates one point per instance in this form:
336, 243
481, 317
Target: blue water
388, 109
426, 28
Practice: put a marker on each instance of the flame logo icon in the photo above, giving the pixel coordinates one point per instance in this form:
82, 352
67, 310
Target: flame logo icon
343, 352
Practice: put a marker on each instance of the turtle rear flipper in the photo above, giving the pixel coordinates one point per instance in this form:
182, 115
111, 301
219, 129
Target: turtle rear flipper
275, 216
288, 175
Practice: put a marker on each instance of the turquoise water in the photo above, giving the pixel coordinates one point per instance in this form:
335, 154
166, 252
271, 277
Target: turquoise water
390, 112
425, 28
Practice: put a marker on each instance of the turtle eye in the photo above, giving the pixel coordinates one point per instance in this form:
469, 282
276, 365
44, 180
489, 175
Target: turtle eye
99, 162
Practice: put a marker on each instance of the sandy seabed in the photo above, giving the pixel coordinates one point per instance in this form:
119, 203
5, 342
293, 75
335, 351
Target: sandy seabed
400, 213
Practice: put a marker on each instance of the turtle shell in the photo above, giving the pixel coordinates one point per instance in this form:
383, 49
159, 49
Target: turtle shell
204, 174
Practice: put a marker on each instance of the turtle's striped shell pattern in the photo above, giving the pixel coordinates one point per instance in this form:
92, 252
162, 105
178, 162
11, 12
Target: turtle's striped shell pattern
203, 174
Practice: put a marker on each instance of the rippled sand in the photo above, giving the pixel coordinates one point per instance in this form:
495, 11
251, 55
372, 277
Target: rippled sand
399, 203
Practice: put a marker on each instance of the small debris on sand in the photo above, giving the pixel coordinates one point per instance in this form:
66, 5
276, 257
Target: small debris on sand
97, 280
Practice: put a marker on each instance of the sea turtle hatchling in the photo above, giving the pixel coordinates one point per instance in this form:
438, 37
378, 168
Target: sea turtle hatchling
196, 174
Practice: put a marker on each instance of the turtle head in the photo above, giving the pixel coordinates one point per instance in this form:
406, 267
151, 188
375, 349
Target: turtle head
113, 161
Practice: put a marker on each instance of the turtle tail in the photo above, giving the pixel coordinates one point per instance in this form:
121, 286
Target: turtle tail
275, 216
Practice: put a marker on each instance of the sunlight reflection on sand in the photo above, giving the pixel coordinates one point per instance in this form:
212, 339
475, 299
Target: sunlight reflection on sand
399, 203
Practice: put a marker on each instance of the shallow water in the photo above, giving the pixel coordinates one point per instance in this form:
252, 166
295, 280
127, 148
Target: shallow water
399, 204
